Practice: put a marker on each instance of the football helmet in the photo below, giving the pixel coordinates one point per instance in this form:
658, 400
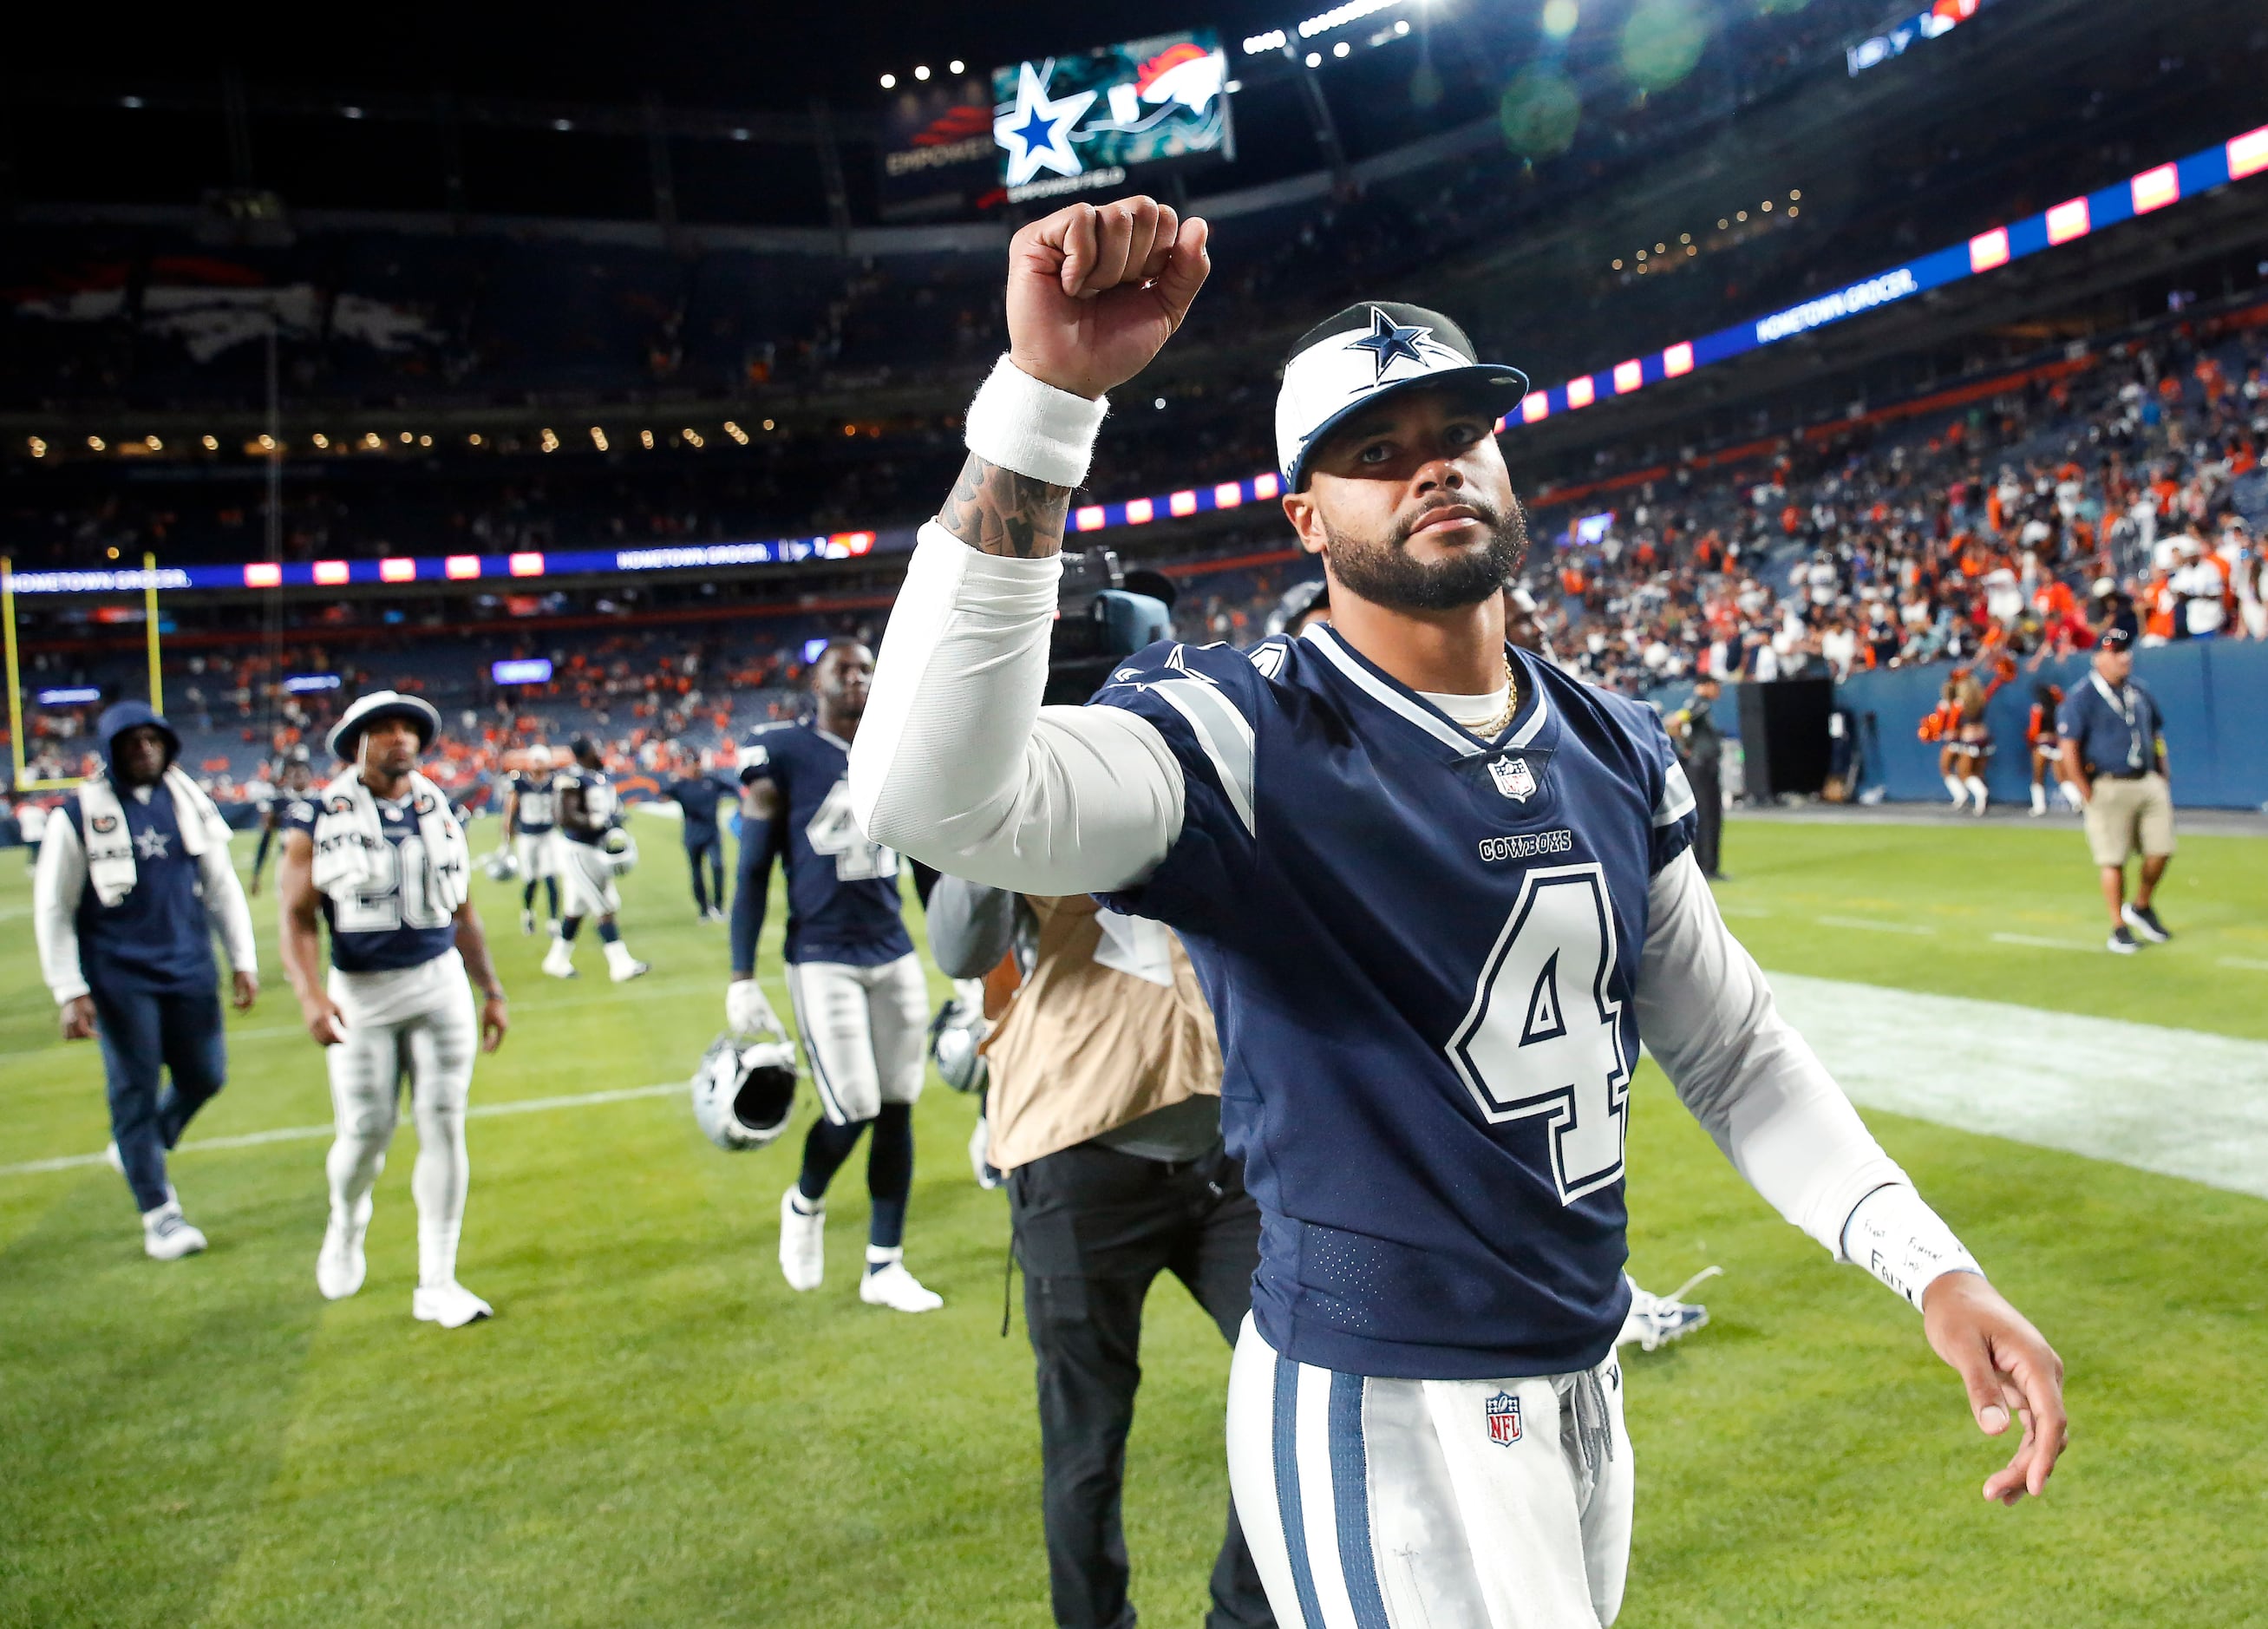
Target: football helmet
502, 865
743, 1091
954, 1034
620, 850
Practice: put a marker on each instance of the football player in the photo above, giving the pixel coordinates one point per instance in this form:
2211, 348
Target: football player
292, 786
530, 811
1435, 890
589, 825
378, 856
860, 999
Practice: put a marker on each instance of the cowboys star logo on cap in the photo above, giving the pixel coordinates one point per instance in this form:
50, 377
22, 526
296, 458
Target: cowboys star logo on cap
1370, 351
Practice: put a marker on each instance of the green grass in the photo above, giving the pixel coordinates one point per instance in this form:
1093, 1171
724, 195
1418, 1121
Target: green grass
655, 1430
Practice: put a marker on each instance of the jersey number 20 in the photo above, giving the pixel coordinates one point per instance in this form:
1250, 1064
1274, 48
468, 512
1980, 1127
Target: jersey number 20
1543, 1037
835, 831
385, 904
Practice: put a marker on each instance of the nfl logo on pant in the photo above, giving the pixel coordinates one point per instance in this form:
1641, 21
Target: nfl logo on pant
1503, 1418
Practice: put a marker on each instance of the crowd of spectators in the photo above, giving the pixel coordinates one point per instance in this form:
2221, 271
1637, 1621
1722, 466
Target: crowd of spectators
2127, 488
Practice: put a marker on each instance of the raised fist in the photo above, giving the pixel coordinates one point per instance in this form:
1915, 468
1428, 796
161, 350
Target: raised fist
1093, 292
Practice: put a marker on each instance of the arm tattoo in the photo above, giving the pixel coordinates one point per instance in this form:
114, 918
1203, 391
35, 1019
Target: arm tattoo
997, 512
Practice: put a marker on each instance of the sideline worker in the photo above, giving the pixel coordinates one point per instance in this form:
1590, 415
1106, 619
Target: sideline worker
2113, 750
134, 877
1104, 1108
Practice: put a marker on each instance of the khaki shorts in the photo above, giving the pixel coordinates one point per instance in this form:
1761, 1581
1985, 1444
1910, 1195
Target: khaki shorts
2126, 815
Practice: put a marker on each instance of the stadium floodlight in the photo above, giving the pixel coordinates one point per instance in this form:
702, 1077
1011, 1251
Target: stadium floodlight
889, 82
1274, 40
39, 448
956, 66
1341, 48
1314, 59
1339, 16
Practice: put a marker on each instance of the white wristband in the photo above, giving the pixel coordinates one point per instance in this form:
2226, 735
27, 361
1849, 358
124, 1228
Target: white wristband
1020, 424
1901, 1241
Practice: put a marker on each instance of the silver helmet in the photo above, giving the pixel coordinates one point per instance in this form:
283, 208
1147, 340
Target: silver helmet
744, 1091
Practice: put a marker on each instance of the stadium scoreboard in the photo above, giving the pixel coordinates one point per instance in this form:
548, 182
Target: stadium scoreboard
1065, 125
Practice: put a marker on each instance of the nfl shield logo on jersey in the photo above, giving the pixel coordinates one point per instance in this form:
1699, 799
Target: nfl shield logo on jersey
1503, 1418
1514, 778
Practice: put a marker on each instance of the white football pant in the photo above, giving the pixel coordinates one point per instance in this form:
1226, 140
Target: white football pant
863, 1029
537, 853
586, 883
1431, 1504
418, 1023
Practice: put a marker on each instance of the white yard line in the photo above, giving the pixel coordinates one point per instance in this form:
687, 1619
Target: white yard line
1874, 925
2092, 946
2177, 1101
302, 1134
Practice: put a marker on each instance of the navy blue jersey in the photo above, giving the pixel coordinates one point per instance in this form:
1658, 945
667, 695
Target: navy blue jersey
600, 810
538, 810
385, 926
842, 888
1420, 948
158, 937
698, 796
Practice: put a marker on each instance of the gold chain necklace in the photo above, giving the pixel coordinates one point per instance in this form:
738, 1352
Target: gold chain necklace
1497, 725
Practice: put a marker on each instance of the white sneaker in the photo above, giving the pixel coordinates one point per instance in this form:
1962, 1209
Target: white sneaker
803, 1243
1654, 1320
112, 1157
450, 1305
527, 924
893, 1287
557, 964
341, 1265
622, 972
166, 1234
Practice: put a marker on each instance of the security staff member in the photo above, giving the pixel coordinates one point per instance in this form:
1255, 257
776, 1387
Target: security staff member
2113, 751
1701, 745
1104, 1108
134, 878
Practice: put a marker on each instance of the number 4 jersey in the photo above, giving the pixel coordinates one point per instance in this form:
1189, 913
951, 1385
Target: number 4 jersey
1420, 947
842, 899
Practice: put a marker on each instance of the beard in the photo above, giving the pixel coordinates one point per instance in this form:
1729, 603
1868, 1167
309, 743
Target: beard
1386, 574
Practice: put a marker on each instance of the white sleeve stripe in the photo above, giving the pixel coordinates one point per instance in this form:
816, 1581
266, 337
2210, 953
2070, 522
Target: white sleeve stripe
1678, 798
1224, 732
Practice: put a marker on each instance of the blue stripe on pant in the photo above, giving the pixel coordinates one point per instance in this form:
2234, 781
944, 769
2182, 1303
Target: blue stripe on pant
144, 1032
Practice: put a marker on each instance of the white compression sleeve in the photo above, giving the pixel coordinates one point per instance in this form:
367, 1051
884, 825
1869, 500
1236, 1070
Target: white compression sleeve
1740, 1068
57, 886
957, 763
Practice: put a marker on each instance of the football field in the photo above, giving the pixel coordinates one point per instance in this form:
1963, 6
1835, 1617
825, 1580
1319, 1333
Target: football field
654, 1430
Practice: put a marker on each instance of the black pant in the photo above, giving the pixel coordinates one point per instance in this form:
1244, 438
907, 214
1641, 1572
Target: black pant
1709, 809
712, 845
1093, 1226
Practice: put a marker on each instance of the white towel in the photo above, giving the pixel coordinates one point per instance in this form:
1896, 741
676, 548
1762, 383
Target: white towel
110, 865
347, 836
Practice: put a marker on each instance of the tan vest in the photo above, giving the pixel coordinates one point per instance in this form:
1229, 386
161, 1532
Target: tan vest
1110, 1027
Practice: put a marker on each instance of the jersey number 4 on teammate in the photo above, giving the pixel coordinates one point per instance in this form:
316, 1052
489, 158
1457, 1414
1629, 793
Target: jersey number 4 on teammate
834, 831
1543, 1037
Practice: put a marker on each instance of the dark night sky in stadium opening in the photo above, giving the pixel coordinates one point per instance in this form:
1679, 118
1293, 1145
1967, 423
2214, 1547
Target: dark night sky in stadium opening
686, 53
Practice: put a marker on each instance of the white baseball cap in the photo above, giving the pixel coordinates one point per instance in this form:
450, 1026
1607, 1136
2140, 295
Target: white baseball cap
1371, 351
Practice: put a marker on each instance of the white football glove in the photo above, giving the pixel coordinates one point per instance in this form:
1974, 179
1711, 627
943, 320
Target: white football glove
747, 1012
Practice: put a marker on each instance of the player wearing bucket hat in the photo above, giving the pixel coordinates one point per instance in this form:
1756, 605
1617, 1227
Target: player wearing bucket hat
345, 738
1435, 889
378, 858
